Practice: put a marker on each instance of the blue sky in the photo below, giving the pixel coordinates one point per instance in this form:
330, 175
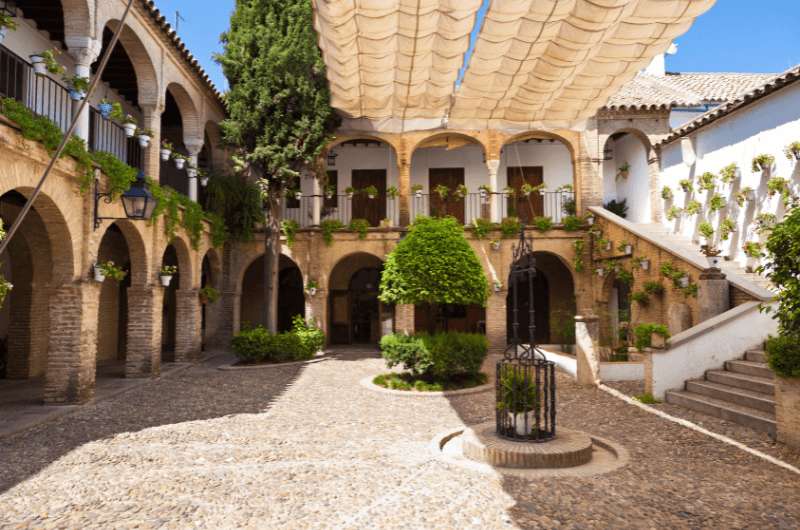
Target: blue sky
734, 36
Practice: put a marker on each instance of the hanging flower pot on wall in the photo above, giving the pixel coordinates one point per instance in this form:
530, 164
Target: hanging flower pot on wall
144, 140
191, 172
180, 162
129, 125
495, 245
105, 108
76, 95
166, 279
39, 66
99, 275
204, 180
165, 154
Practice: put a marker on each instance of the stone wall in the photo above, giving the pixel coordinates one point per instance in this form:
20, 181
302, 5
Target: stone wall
787, 410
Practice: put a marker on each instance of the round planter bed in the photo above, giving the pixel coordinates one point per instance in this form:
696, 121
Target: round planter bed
367, 383
260, 366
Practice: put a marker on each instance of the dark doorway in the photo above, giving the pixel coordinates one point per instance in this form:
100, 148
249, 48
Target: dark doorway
452, 177
355, 314
434, 318
526, 208
373, 210
291, 300
541, 306
169, 308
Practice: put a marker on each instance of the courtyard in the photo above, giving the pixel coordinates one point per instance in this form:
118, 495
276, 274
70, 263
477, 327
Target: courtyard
307, 446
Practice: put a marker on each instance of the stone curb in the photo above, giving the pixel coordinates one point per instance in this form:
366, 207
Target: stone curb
367, 383
232, 367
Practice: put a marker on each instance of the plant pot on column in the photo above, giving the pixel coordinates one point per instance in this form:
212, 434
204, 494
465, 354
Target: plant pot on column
180, 160
166, 274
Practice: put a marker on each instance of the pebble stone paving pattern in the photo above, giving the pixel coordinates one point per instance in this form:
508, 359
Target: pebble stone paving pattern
309, 447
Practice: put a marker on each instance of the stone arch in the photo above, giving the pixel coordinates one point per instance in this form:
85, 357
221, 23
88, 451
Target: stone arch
446, 139
79, 18
144, 65
114, 310
355, 315
185, 264
291, 298
629, 147
190, 115
554, 301
137, 249
211, 269
536, 133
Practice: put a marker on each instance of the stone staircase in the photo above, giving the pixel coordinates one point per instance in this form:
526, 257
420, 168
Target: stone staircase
742, 392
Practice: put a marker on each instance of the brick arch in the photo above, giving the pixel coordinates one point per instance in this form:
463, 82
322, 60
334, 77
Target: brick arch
79, 18
252, 258
54, 223
341, 262
190, 115
646, 142
137, 250
144, 65
215, 266
185, 267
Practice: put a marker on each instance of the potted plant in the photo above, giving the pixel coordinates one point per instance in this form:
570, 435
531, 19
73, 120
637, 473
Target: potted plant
706, 230
600, 271
484, 190
712, 255
416, 189
605, 244
693, 207
208, 295
442, 191
526, 189
290, 193
203, 177
7, 23
623, 171
350, 191
762, 163
717, 203
129, 125
777, 185
642, 263
541, 188
180, 160
746, 194
166, 273
509, 192
107, 269
386, 223
78, 87
166, 150
329, 190
590, 219
686, 185
45, 62
729, 173
519, 398
792, 151
666, 193
144, 136
105, 107
495, 244
371, 191
497, 285
311, 287
191, 170
626, 248
461, 191
707, 181
392, 192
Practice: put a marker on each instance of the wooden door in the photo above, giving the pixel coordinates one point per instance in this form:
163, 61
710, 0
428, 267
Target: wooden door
526, 208
452, 177
373, 210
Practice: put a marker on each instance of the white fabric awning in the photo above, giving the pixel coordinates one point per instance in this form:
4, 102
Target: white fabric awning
393, 64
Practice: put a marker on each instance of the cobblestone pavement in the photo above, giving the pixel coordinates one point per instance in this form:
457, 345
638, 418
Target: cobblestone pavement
309, 447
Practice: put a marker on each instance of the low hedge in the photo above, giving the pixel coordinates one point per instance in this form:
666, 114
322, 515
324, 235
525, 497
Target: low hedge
783, 355
258, 345
440, 356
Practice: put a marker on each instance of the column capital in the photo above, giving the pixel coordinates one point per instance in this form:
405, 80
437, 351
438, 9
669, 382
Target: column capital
155, 108
194, 146
85, 50
493, 165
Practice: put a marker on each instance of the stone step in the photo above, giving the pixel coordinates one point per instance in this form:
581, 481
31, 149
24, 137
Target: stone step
750, 368
754, 419
757, 356
745, 382
737, 396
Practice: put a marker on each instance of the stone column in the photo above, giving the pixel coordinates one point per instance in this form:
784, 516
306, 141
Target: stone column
404, 198
194, 146
496, 327
404, 318
495, 197
85, 51
316, 212
71, 360
787, 410
151, 114
316, 309
143, 356
587, 336
656, 202
188, 336
713, 294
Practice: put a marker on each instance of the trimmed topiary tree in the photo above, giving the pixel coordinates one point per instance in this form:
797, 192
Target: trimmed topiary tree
433, 264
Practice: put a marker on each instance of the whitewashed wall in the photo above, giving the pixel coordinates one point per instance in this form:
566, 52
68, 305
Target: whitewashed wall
766, 126
635, 188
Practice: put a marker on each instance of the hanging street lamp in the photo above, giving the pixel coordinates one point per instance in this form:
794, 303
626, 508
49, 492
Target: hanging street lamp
138, 202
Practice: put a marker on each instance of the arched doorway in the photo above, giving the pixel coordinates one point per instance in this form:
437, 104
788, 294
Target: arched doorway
291, 298
626, 176
210, 312
112, 320
169, 306
553, 303
356, 315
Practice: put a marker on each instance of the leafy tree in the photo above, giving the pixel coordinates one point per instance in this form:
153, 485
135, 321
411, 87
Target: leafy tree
433, 264
781, 267
279, 113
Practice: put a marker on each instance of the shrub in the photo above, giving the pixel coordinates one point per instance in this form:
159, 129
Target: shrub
572, 223
440, 356
652, 287
640, 297
328, 227
643, 332
481, 227
311, 337
620, 208
510, 226
781, 266
543, 224
783, 355
259, 345
360, 226
518, 392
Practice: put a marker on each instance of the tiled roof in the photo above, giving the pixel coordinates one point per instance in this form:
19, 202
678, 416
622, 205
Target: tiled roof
774, 84
717, 86
172, 37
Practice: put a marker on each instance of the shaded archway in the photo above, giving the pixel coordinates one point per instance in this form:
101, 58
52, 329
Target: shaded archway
176, 255
291, 299
355, 314
112, 319
172, 131
210, 317
446, 173
626, 175
553, 303
545, 163
616, 315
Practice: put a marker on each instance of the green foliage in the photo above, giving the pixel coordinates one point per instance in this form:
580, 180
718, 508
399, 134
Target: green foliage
569, 206
111, 271
792, 151
168, 270
359, 226
623, 275
620, 208
481, 227
510, 227
783, 355
440, 356
370, 191
765, 222
209, 294
647, 399
781, 267
686, 185
762, 162
653, 287
717, 203
7, 21
693, 207
442, 191
219, 232
572, 223
706, 230
668, 270
543, 224
643, 334
673, 213
279, 112
328, 227
728, 173
518, 391
753, 249
640, 297
289, 229
707, 181
779, 185
433, 264
666, 193
257, 345
578, 246
312, 339
742, 195
238, 202
120, 175
726, 227
424, 384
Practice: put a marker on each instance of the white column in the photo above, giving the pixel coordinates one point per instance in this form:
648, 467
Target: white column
316, 191
194, 147
494, 182
85, 51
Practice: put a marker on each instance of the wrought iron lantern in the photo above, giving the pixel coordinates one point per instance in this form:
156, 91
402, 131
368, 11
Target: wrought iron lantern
526, 380
138, 202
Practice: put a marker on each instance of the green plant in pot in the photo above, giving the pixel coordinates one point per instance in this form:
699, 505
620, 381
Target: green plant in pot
166, 273
371, 191
442, 191
208, 295
7, 23
519, 398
